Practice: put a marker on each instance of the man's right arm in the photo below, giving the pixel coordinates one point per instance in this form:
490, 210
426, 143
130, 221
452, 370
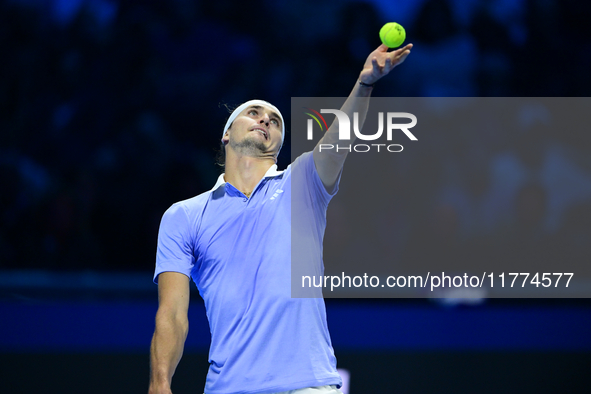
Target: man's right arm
172, 326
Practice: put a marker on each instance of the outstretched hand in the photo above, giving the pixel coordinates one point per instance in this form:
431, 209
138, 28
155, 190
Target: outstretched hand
380, 62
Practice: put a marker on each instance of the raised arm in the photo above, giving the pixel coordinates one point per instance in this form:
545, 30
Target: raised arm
378, 64
172, 326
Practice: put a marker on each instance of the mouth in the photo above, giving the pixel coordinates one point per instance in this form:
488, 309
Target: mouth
264, 132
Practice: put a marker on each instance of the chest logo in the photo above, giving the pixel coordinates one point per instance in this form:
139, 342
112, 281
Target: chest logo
276, 194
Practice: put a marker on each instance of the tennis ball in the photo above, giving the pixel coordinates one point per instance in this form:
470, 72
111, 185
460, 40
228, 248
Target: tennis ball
392, 34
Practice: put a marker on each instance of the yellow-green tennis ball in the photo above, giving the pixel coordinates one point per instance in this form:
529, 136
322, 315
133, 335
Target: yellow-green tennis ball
392, 34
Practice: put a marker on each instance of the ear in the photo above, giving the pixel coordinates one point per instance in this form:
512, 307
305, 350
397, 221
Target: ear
226, 137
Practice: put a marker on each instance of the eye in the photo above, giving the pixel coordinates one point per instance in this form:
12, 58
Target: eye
275, 121
253, 112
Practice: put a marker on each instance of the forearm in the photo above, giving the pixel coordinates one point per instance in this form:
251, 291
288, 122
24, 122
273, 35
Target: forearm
330, 162
357, 102
166, 349
379, 63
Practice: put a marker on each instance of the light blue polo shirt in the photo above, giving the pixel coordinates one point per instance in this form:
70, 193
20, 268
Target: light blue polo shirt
238, 252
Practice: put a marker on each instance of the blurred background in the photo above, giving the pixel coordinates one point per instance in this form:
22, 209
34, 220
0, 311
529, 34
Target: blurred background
110, 111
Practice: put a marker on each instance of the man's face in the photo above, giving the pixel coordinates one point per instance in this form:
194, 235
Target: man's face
255, 132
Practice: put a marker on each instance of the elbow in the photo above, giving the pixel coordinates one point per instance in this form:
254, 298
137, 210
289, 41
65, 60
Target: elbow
172, 320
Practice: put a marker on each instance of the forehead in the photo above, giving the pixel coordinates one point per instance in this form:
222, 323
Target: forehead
270, 111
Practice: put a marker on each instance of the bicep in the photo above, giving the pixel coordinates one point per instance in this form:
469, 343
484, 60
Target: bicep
328, 166
175, 243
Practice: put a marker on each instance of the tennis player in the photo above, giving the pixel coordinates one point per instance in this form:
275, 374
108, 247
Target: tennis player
234, 242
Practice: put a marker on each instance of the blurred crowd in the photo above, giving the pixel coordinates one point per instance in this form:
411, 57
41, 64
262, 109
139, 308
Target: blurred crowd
110, 111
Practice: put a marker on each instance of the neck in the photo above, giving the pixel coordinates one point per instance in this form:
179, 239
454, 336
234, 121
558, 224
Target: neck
245, 172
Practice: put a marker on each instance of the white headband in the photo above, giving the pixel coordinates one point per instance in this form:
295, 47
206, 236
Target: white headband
247, 104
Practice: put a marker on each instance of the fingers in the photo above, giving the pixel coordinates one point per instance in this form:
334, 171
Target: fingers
400, 51
403, 56
374, 64
392, 59
382, 62
385, 48
388, 64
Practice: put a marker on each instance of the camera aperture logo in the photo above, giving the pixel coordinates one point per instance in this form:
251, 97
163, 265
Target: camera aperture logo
344, 124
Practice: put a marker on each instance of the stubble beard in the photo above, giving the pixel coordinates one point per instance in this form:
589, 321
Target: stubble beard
248, 147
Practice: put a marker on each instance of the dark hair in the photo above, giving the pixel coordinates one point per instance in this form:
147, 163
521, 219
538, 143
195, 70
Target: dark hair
220, 158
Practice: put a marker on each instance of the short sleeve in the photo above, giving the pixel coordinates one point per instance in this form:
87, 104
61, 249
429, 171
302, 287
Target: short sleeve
313, 179
175, 250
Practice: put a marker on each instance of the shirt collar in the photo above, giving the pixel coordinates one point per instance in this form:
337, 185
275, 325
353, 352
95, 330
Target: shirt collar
271, 172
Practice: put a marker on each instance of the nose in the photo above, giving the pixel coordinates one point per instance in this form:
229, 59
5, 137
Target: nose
265, 120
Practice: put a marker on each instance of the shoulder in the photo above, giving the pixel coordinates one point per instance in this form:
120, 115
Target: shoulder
197, 201
303, 165
304, 160
190, 207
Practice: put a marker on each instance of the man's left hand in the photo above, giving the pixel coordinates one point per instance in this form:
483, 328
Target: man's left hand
380, 62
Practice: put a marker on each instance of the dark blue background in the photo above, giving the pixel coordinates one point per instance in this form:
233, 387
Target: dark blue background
110, 111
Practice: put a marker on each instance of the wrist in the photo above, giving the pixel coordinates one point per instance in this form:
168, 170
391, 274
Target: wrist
366, 85
159, 388
159, 379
